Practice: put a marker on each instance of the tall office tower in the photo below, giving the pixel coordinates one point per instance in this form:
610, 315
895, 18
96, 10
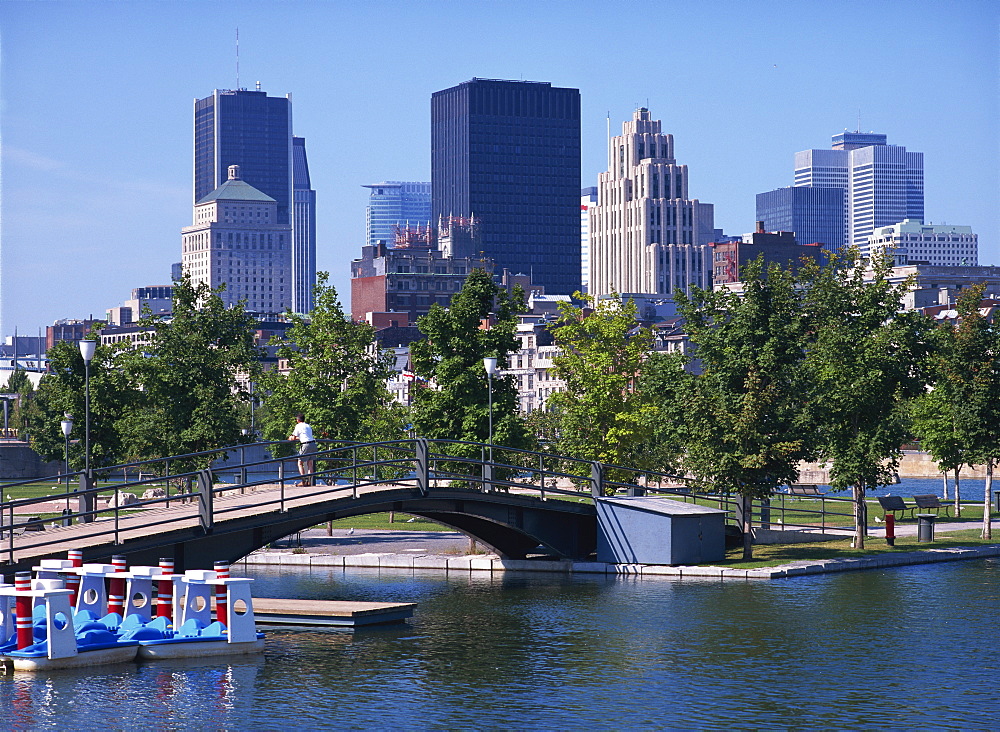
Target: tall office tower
812, 214
303, 230
508, 154
394, 203
249, 129
588, 199
237, 240
882, 184
647, 236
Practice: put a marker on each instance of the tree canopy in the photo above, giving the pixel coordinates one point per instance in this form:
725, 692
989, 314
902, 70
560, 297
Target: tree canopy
481, 321
336, 377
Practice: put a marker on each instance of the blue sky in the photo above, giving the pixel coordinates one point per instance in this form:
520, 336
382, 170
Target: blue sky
96, 109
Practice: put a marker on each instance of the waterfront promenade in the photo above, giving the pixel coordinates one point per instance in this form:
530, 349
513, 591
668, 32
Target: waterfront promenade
449, 552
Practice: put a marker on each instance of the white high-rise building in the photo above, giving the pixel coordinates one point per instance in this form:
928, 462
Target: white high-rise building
588, 199
235, 240
646, 235
883, 184
912, 242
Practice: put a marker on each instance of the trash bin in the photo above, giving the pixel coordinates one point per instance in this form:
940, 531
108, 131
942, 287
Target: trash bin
67, 517
925, 527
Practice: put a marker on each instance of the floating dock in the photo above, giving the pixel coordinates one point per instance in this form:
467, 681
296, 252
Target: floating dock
329, 613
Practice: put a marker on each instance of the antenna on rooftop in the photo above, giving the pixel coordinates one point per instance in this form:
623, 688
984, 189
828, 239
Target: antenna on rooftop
609, 139
237, 57
859, 119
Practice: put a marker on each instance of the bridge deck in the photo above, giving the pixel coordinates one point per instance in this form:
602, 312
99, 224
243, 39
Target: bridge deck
136, 524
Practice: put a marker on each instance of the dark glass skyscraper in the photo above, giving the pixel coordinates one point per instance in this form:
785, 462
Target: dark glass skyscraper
812, 214
508, 153
249, 129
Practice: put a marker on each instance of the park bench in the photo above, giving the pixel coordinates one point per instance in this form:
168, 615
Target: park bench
803, 489
930, 501
895, 505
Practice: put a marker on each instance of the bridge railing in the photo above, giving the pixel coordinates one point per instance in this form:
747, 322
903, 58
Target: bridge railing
341, 468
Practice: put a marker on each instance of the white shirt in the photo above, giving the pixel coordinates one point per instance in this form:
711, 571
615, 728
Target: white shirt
303, 432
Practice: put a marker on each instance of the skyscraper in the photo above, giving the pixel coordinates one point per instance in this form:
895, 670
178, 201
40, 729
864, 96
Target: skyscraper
812, 214
588, 199
303, 230
646, 235
235, 240
883, 184
396, 203
249, 129
508, 153
254, 131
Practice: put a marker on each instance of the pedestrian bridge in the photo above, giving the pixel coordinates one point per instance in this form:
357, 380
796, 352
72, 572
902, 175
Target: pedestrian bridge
516, 502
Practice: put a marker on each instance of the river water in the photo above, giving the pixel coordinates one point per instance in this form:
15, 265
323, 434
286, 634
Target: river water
898, 648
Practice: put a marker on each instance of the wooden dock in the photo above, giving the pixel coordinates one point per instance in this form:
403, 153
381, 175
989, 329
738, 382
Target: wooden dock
329, 613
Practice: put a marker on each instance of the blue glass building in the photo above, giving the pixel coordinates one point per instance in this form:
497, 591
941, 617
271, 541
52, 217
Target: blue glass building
812, 214
396, 203
508, 152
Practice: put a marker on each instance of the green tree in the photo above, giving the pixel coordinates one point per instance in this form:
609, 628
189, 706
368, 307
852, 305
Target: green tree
62, 391
966, 392
187, 377
603, 415
337, 378
746, 411
18, 383
455, 405
865, 360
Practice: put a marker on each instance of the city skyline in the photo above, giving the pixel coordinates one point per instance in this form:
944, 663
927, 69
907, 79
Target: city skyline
96, 154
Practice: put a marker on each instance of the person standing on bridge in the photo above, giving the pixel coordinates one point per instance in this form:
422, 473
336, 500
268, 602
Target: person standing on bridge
307, 446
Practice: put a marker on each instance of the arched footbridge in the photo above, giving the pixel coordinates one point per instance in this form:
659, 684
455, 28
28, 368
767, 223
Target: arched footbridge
516, 502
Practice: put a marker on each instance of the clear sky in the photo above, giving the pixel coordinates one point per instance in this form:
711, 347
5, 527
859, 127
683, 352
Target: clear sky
96, 109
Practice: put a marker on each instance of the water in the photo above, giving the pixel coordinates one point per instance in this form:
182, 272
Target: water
972, 488
902, 648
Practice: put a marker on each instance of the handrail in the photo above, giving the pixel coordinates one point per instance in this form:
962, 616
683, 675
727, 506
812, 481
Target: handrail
423, 464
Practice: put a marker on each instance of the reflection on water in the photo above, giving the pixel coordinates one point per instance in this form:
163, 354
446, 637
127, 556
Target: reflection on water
903, 647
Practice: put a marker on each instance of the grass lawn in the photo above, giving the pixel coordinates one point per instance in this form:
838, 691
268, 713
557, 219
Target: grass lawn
772, 555
380, 521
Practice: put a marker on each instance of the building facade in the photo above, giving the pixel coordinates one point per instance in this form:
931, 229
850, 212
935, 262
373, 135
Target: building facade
588, 199
406, 281
254, 131
235, 240
812, 214
508, 153
393, 204
303, 230
912, 242
777, 247
646, 234
882, 184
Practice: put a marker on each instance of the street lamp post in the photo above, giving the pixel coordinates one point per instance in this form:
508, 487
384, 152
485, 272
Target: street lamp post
87, 349
67, 428
490, 364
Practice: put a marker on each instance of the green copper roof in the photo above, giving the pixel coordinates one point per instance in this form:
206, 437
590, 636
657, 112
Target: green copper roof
235, 190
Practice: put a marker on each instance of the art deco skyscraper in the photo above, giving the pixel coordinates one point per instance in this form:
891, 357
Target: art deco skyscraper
508, 153
646, 235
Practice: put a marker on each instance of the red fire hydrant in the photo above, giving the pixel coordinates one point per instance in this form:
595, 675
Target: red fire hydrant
890, 529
